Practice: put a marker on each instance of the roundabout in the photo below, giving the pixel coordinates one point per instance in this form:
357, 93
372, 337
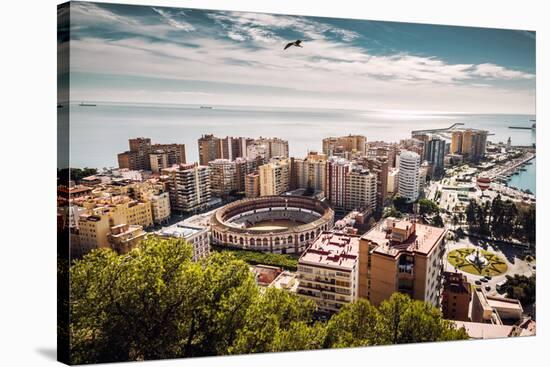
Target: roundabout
477, 262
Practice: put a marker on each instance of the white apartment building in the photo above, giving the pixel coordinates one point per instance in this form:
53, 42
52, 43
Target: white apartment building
328, 271
337, 174
160, 204
393, 180
198, 237
409, 175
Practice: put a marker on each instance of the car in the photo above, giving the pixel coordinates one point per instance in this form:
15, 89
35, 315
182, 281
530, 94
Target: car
487, 287
484, 280
488, 277
477, 282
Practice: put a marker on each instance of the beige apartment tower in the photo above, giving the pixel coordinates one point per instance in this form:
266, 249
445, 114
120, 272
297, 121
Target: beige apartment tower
401, 256
275, 177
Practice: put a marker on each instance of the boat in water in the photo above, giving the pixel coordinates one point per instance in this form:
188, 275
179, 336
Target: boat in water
533, 127
82, 104
206, 107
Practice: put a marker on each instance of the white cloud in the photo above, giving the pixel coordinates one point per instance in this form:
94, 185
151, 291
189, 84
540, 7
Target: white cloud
492, 71
169, 18
324, 72
89, 12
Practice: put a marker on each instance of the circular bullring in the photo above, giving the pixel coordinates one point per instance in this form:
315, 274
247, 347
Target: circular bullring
278, 224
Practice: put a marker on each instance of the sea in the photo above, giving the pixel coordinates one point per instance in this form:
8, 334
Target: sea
98, 133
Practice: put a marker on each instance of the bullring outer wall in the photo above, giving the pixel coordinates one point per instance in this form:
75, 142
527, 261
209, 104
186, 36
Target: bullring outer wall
292, 240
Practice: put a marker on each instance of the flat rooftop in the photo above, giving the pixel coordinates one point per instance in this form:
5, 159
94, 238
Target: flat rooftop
478, 330
422, 240
333, 249
286, 280
265, 274
501, 302
179, 230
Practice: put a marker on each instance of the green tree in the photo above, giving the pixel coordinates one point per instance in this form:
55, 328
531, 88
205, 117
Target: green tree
357, 324
409, 321
156, 303
392, 212
471, 210
400, 203
438, 221
427, 207
75, 174
397, 320
275, 314
521, 288
455, 220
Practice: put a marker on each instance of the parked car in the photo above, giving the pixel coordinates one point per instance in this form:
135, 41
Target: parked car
488, 277
477, 282
484, 280
487, 287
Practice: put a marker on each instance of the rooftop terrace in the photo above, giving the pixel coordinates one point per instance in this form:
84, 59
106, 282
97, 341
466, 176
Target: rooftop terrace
333, 249
394, 235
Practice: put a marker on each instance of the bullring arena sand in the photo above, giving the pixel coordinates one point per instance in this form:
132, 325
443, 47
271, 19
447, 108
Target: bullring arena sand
271, 225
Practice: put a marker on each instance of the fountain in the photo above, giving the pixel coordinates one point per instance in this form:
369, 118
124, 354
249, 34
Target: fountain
477, 259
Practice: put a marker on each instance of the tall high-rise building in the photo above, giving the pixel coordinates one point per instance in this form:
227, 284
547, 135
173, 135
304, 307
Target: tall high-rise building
243, 167
212, 147
175, 152
379, 166
337, 175
435, 154
393, 180
470, 143
223, 177
138, 157
360, 190
311, 172
158, 160
188, 186
252, 185
267, 148
409, 175
456, 142
413, 145
232, 147
340, 145
401, 256
209, 149
275, 177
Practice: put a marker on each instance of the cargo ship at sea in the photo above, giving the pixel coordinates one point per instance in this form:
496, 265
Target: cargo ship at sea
82, 104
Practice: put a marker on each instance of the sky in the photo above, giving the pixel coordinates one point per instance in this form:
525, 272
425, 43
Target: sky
142, 54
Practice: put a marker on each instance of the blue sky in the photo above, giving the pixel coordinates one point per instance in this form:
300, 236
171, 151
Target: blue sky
124, 53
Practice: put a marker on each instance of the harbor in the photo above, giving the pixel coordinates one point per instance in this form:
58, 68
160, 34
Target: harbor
503, 172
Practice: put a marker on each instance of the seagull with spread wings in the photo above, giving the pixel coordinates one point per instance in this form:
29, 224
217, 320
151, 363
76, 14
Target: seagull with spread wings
297, 43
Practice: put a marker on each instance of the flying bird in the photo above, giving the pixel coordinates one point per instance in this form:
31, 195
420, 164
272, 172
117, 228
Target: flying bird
297, 43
